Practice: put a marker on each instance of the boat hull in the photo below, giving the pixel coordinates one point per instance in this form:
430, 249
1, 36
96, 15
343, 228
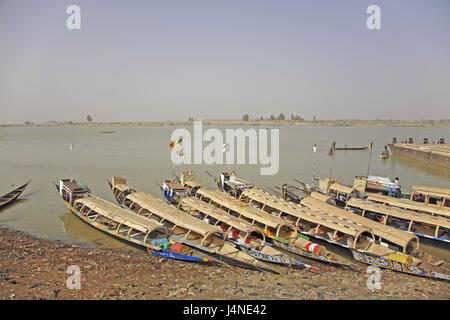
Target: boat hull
12, 195
137, 244
304, 253
396, 265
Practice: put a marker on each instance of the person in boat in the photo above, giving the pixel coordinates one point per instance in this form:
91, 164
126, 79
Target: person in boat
200, 216
397, 182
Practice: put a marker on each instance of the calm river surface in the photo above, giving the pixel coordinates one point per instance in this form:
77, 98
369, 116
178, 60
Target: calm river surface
142, 155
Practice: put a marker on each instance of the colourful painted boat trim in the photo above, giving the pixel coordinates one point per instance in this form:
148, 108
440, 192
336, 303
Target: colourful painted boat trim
269, 258
396, 266
305, 253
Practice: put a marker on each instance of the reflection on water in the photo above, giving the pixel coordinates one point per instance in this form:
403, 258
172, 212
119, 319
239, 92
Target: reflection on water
80, 230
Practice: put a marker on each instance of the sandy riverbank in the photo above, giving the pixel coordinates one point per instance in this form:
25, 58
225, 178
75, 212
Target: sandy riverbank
344, 123
32, 268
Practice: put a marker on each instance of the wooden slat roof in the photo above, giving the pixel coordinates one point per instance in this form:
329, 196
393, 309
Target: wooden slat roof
192, 184
244, 209
391, 234
341, 188
218, 214
169, 213
123, 187
119, 215
432, 191
410, 205
399, 213
314, 216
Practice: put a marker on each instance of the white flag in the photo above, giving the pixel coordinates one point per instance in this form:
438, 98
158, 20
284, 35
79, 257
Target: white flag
315, 148
71, 146
226, 147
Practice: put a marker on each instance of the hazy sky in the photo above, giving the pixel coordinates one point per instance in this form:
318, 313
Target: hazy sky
157, 60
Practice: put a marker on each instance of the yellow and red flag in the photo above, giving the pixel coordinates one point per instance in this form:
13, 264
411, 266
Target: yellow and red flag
175, 143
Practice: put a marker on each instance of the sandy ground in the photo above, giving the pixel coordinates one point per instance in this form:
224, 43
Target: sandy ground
32, 268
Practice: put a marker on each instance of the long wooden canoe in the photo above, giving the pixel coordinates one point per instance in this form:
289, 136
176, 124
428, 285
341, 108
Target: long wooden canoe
12, 195
374, 253
247, 237
282, 233
420, 224
185, 228
430, 209
351, 148
122, 224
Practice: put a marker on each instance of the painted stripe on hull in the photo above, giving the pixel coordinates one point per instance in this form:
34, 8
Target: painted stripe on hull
397, 266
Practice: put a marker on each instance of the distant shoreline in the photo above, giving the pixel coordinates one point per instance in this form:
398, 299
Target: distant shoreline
340, 123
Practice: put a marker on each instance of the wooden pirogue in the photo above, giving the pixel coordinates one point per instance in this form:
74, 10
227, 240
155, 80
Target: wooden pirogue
282, 233
122, 224
411, 205
435, 197
423, 225
249, 238
386, 235
184, 228
411, 260
12, 195
372, 253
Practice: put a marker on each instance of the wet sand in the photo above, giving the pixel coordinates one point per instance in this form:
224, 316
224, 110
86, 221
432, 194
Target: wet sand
33, 268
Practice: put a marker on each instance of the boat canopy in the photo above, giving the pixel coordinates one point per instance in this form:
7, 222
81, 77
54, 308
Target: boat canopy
192, 184
119, 215
391, 234
399, 213
159, 208
410, 205
316, 217
218, 214
244, 209
432, 191
336, 186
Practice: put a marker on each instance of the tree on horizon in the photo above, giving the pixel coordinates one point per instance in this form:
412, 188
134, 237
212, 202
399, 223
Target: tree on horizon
89, 118
245, 117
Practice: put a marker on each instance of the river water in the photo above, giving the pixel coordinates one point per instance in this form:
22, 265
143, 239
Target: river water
142, 155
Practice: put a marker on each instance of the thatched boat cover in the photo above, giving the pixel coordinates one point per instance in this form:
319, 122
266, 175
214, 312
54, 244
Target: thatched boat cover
432, 191
169, 213
244, 209
123, 187
192, 184
399, 213
388, 233
336, 186
119, 215
218, 214
347, 227
320, 196
410, 205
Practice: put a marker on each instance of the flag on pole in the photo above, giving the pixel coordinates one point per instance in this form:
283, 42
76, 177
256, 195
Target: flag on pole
71, 146
370, 146
175, 143
180, 153
315, 148
226, 147
331, 152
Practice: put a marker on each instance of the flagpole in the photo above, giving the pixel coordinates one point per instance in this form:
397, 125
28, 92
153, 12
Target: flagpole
331, 168
331, 154
70, 167
370, 158
314, 165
